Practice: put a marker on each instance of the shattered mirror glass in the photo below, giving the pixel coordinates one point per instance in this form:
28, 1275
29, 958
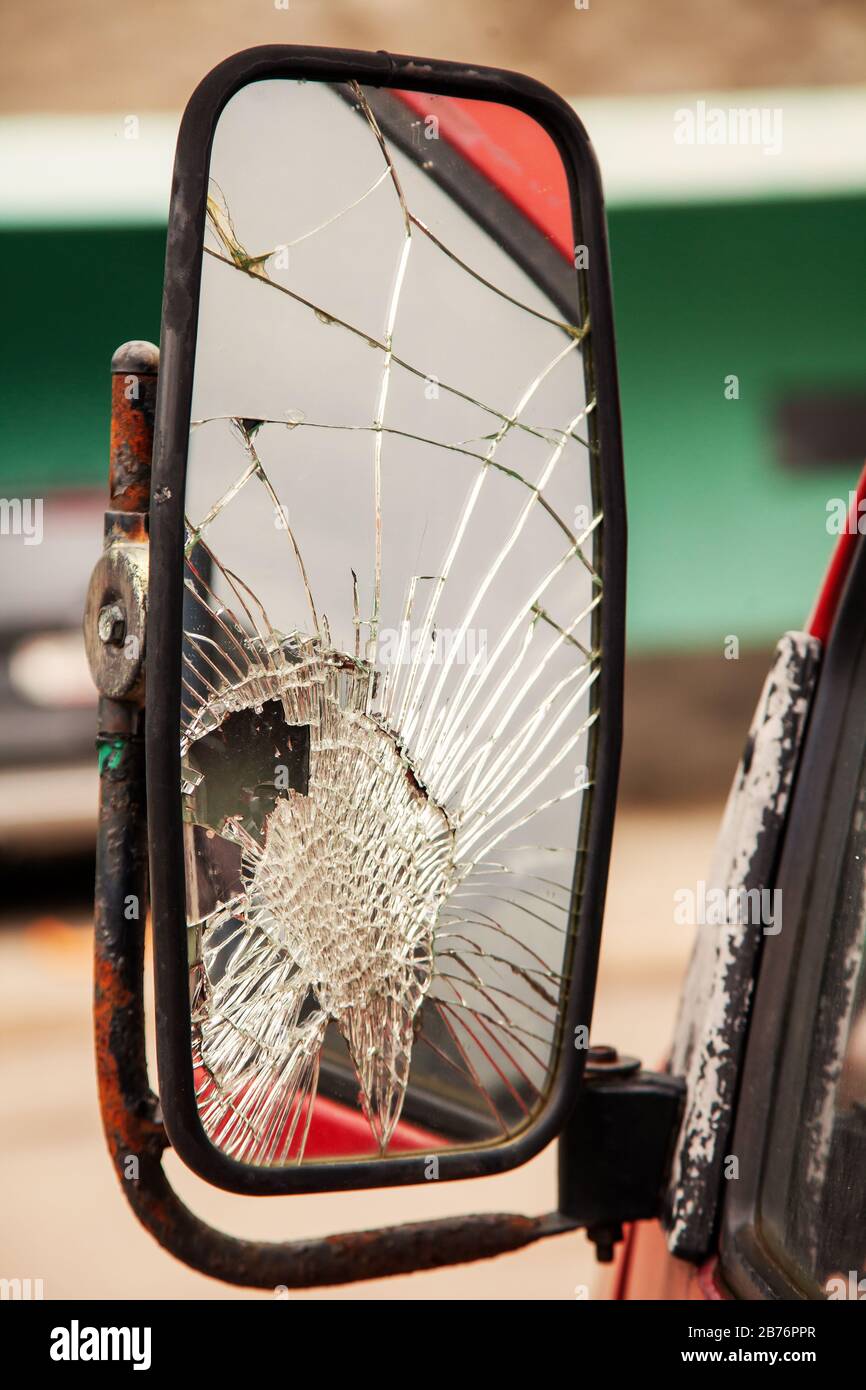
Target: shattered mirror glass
390, 626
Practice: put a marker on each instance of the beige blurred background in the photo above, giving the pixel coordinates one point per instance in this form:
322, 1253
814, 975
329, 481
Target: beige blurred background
91, 55
62, 1217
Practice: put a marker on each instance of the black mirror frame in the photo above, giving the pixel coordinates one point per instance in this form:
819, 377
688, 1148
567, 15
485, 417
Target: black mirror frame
177, 354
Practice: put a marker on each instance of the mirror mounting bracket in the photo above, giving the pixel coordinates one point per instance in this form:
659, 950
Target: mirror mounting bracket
136, 1137
616, 1145
615, 1148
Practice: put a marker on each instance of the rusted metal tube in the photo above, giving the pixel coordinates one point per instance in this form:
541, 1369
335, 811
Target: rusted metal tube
339, 1259
129, 1108
134, 372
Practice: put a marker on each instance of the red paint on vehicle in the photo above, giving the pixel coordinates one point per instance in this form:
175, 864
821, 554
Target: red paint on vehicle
647, 1270
821, 620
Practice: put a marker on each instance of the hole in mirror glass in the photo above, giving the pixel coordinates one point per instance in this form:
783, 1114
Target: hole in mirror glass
391, 624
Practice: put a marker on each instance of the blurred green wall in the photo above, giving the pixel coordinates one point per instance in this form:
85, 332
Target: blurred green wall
71, 295
723, 539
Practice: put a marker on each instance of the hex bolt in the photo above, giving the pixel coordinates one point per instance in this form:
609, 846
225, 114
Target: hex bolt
602, 1059
605, 1238
111, 624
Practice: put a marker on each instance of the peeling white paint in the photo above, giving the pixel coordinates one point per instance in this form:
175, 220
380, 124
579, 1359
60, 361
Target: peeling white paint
719, 982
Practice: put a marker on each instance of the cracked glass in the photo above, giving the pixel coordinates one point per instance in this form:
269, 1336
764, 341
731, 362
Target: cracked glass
391, 619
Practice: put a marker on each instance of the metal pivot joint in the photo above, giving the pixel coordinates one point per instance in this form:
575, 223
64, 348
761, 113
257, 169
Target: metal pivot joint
115, 616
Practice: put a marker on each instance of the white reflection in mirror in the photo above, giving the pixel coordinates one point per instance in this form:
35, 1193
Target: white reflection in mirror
391, 617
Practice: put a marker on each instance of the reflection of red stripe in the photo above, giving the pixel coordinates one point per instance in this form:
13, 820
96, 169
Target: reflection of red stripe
512, 150
339, 1131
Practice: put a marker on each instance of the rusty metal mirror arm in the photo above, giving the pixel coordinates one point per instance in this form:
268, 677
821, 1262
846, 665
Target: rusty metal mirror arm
115, 628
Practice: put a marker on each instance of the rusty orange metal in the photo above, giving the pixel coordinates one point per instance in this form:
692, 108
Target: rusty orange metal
134, 370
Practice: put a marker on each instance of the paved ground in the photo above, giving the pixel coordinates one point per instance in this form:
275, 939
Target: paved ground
62, 1218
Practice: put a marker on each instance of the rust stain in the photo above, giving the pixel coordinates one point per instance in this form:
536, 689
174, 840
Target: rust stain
132, 410
126, 1131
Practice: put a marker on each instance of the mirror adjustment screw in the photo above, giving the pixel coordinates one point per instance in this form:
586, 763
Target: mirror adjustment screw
605, 1239
111, 624
602, 1059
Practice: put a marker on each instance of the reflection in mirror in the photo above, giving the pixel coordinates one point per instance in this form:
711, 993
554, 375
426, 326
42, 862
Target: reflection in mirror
391, 618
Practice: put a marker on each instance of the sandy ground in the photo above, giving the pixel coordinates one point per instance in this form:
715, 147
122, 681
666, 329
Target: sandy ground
63, 1219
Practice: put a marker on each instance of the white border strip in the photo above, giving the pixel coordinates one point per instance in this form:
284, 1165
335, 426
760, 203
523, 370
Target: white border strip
809, 143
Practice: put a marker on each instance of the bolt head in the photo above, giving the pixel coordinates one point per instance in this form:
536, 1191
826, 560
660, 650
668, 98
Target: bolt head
111, 624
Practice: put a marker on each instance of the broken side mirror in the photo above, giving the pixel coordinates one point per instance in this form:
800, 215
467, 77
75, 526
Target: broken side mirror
385, 614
